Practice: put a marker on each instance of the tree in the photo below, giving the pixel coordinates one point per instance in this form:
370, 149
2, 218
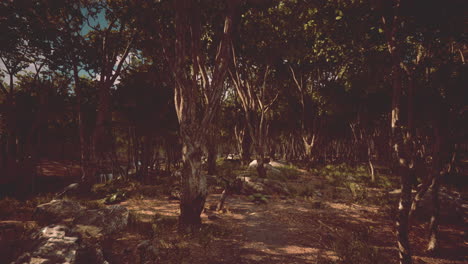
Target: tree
251, 85
198, 91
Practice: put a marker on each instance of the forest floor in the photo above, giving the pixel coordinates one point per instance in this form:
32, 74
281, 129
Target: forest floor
294, 230
332, 224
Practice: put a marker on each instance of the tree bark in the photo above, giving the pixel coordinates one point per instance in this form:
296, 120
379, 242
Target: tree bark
81, 128
211, 159
194, 188
400, 141
440, 127
195, 91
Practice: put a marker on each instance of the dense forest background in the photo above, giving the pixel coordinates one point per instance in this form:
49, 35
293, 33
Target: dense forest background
149, 90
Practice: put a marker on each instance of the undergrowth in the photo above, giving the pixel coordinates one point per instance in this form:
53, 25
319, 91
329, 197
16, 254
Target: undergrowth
355, 247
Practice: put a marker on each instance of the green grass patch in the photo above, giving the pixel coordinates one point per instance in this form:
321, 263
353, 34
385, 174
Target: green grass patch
343, 174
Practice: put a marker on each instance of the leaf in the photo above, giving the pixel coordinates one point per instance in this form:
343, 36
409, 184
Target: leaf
338, 17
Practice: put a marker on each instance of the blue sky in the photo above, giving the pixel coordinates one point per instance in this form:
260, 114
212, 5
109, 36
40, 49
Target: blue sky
100, 19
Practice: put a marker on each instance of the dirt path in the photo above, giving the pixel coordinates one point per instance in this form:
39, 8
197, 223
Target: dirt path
298, 230
301, 231
281, 231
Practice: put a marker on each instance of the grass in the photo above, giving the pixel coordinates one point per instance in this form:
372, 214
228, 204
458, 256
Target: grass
354, 247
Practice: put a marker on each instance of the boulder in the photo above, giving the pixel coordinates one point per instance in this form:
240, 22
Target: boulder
111, 219
271, 164
270, 169
251, 187
277, 164
56, 244
14, 237
264, 186
253, 164
56, 211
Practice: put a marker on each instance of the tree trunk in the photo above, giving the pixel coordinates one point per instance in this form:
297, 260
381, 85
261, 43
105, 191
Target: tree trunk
188, 91
369, 158
211, 159
440, 126
261, 167
434, 223
402, 223
220, 204
81, 128
194, 187
400, 141
246, 143
309, 142
103, 118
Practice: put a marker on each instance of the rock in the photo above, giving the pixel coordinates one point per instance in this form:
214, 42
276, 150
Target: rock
56, 211
253, 164
55, 244
14, 237
270, 169
111, 219
277, 164
89, 254
270, 164
253, 187
244, 178
265, 186
273, 172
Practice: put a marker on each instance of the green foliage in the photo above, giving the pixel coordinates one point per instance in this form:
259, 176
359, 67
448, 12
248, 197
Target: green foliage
358, 191
343, 174
258, 198
116, 197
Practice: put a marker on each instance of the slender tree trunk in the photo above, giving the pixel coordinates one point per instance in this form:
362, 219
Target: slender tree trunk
439, 127
422, 189
81, 127
402, 217
211, 159
369, 158
434, 223
220, 204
